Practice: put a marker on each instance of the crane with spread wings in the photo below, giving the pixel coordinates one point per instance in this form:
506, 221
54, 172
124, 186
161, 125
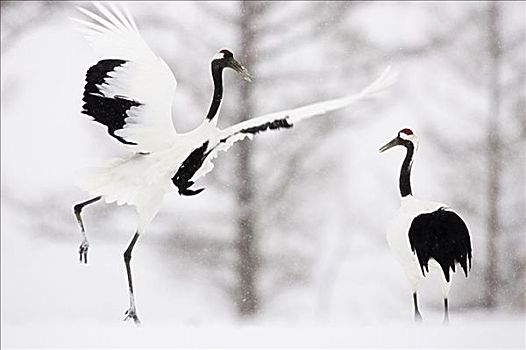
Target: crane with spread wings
130, 90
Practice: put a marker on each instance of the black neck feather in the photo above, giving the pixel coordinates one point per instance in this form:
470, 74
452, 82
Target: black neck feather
405, 171
217, 76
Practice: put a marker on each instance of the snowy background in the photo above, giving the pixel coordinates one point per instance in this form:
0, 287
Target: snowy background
320, 273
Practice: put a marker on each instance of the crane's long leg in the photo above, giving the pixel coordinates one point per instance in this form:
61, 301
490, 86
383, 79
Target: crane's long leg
84, 245
131, 313
446, 311
418, 316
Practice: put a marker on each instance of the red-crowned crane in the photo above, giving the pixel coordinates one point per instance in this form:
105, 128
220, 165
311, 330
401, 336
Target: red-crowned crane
130, 91
425, 233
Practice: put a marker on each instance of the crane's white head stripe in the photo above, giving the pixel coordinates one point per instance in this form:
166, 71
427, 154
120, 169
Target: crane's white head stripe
218, 56
412, 138
223, 53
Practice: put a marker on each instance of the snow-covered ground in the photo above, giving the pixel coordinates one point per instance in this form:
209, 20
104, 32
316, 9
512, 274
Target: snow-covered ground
50, 300
496, 334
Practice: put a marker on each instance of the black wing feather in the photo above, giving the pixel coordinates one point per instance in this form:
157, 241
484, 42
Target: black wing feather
443, 236
192, 163
109, 111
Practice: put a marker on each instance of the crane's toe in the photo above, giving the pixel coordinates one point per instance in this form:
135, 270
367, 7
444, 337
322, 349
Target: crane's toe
131, 314
83, 251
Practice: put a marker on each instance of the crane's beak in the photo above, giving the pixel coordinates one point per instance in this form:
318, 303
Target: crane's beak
390, 144
232, 63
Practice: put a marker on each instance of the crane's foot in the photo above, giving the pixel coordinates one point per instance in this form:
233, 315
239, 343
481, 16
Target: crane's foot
131, 314
418, 317
83, 252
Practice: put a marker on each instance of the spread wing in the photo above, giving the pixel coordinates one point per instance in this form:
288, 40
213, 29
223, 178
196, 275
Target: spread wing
288, 118
130, 89
443, 236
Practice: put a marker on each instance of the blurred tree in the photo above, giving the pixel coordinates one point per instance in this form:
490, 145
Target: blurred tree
22, 17
246, 243
256, 196
488, 58
495, 152
274, 176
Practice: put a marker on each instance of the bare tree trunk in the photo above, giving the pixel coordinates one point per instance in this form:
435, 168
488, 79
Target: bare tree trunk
494, 172
248, 263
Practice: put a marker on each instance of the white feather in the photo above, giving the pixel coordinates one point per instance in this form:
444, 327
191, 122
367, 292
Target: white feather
145, 78
232, 134
143, 179
380, 85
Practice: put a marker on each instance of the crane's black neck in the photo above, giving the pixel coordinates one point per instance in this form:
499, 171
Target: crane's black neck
217, 76
405, 171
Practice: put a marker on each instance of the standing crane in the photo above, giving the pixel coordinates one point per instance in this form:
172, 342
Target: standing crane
130, 91
425, 233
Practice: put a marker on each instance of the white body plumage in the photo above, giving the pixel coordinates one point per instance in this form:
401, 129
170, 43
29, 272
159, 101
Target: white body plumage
398, 240
143, 179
